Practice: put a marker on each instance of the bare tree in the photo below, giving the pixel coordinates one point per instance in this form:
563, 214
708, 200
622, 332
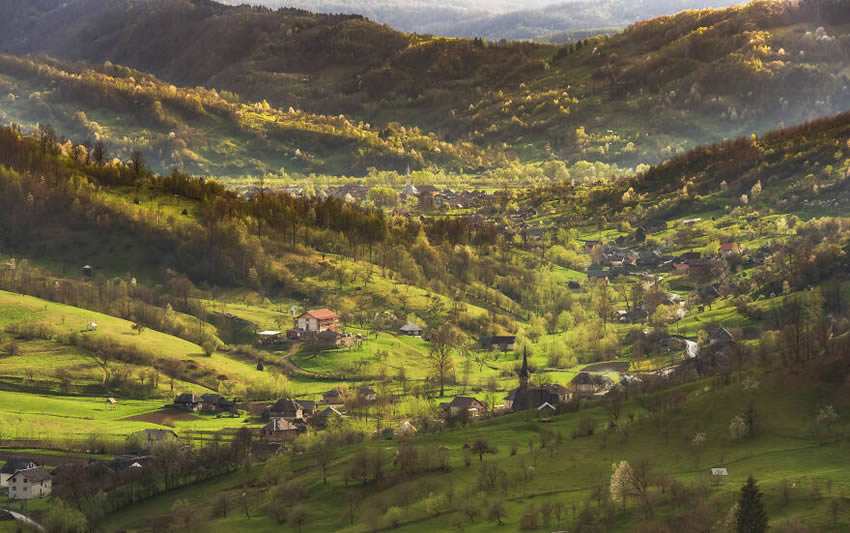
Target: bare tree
444, 340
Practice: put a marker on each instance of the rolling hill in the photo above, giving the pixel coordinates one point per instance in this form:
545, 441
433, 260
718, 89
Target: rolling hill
659, 88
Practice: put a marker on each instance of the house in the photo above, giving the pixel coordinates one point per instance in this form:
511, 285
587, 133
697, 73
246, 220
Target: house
680, 268
317, 320
188, 402
308, 408
731, 248
466, 405
111, 403
598, 274
152, 437
582, 384
333, 397
216, 403
699, 267
284, 408
91, 326
720, 338
411, 330
126, 462
30, 483
500, 342
366, 393
13, 464
280, 429
325, 416
406, 429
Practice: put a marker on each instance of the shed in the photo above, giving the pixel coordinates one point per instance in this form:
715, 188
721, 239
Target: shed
718, 476
111, 403
546, 411
411, 329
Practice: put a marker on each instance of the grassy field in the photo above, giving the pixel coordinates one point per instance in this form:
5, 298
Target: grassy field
784, 448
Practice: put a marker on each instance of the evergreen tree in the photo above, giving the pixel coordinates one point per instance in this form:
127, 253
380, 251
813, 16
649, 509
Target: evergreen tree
751, 515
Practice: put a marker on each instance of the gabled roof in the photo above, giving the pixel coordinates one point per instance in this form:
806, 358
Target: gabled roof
582, 378
719, 472
329, 411
158, 434
320, 314
307, 405
410, 326
466, 402
33, 474
285, 404
546, 404
336, 391
211, 397
13, 464
186, 397
280, 424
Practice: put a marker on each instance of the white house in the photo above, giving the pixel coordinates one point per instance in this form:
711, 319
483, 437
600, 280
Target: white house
30, 483
317, 320
13, 465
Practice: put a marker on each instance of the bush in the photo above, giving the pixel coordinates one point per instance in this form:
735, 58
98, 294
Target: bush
586, 426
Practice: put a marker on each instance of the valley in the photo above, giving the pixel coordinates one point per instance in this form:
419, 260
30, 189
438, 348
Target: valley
324, 275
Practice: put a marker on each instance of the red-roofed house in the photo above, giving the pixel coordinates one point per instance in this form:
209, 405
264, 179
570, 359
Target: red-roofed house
730, 248
317, 320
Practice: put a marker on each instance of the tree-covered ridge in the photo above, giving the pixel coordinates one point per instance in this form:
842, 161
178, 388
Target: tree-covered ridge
659, 88
205, 131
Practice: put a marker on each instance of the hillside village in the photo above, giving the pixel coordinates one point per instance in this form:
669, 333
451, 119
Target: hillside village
225, 306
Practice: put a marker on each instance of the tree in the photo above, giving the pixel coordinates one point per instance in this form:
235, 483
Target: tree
297, 516
65, 519
323, 452
444, 340
220, 505
496, 511
481, 447
620, 481
99, 154
186, 516
752, 517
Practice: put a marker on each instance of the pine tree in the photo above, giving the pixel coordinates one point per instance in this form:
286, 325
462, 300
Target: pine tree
751, 515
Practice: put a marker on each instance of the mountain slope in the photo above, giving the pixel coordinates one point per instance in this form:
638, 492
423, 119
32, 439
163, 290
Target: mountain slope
500, 20
661, 87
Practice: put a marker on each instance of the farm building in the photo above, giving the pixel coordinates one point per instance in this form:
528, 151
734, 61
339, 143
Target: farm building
187, 401
151, 437
13, 464
411, 330
317, 320
582, 384
30, 483
280, 429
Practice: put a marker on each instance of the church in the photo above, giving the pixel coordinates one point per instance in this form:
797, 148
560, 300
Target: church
525, 397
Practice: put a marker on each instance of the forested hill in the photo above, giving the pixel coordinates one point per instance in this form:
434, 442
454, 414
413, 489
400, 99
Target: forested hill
528, 20
659, 88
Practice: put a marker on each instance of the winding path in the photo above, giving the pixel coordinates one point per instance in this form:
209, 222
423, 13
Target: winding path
25, 519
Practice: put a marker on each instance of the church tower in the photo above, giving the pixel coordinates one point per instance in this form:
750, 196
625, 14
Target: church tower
523, 374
